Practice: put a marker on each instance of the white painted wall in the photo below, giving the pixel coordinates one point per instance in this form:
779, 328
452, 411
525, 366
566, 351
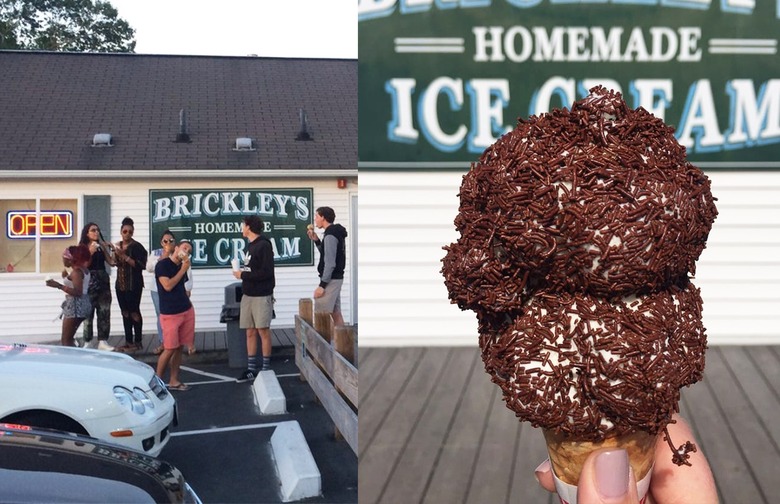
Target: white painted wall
406, 218
29, 310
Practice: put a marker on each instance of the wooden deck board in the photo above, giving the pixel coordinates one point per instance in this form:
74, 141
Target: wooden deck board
715, 438
382, 453
285, 336
415, 466
205, 341
762, 398
492, 476
767, 361
741, 416
370, 374
530, 452
375, 407
429, 434
458, 454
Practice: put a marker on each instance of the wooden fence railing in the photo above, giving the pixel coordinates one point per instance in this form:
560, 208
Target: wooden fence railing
325, 355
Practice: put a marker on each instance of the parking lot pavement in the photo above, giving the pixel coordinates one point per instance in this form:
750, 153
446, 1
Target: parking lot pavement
222, 442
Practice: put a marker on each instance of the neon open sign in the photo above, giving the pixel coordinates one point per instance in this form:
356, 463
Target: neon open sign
53, 224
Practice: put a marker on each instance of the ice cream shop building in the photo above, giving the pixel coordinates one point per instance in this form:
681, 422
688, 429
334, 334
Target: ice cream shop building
186, 143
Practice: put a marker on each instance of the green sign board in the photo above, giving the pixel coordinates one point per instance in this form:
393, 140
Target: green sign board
440, 80
212, 220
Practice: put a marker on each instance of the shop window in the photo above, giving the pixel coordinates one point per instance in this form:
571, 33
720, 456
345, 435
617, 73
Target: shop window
36, 233
97, 209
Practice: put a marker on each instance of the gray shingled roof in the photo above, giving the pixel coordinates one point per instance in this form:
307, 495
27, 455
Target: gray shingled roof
52, 104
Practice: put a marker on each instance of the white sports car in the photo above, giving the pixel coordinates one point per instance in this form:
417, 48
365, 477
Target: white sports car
105, 395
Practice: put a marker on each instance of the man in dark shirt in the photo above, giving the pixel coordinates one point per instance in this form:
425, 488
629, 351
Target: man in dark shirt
333, 259
257, 286
177, 316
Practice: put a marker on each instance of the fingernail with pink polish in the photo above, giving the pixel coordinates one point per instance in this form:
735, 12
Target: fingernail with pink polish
612, 473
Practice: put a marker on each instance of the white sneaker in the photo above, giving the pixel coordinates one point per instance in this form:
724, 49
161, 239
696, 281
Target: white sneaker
103, 345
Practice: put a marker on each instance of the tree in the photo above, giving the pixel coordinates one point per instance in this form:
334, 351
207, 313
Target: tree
64, 25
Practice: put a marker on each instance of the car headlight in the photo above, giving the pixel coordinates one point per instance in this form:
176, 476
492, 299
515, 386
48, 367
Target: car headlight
136, 400
143, 397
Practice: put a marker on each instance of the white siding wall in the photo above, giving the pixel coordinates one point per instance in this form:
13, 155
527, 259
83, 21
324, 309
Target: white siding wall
28, 309
406, 218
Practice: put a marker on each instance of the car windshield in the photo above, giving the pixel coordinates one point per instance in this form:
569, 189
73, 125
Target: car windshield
41, 486
49, 474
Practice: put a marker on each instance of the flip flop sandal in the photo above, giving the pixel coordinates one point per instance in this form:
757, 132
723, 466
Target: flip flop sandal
180, 386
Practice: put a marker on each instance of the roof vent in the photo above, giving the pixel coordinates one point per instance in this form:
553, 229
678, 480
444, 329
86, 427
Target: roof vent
244, 144
102, 140
182, 136
303, 133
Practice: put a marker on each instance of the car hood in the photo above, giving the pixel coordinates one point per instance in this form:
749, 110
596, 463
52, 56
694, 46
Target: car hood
77, 364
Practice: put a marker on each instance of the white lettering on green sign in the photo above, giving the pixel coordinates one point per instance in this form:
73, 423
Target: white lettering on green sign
229, 203
754, 117
213, 222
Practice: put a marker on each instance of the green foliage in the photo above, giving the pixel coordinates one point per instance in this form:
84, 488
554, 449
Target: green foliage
64, 25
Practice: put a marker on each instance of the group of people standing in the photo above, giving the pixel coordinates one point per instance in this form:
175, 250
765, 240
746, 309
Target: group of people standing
88, 291
87, 287
258, 281
88, 296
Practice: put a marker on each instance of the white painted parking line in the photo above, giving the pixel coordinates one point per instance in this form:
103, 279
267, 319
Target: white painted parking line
209, 382
222, 378
217, 430
211, 375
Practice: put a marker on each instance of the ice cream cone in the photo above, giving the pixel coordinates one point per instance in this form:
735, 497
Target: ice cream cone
567, 455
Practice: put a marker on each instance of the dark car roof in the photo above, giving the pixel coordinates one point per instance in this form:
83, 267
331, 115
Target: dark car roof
53, 104
18, 486
38, 465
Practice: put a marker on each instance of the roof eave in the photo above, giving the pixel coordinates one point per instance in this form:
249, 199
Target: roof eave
165, 174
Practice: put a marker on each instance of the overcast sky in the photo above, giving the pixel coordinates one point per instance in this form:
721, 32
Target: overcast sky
274, 28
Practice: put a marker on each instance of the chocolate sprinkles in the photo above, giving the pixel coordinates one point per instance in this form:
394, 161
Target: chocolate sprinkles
578, 232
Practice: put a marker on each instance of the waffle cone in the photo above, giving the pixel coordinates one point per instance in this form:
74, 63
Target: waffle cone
567, 455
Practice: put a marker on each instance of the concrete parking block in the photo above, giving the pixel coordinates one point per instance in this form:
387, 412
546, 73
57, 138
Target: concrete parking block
268, 394
298, 473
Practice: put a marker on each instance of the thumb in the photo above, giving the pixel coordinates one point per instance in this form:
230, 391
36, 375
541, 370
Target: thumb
607, 478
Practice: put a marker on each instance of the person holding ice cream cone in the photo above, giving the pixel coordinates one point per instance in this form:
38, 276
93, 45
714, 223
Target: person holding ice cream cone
75, 285
607, 476
332, 249
177, 315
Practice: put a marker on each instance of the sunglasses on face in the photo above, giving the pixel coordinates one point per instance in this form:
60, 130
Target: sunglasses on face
94, 230
165, 240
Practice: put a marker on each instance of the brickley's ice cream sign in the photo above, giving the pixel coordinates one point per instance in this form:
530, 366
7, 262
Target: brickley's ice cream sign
212, 219
440, 80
